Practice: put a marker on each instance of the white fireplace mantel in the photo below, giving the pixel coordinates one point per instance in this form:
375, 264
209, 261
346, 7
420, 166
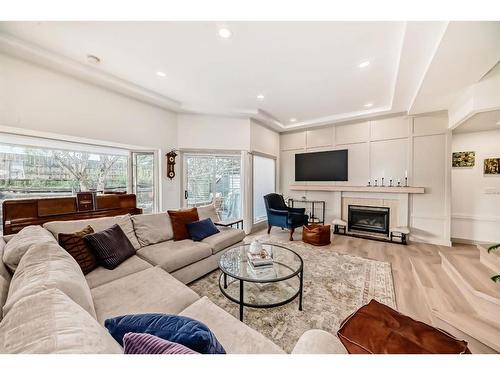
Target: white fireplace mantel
367, 195
364, 189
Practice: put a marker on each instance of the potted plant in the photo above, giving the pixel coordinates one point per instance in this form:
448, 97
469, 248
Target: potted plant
495, 278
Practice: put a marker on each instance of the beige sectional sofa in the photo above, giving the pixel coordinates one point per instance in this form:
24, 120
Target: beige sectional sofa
49, 306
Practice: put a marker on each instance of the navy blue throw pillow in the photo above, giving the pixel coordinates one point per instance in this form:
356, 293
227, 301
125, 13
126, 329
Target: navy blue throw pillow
199, 230
180, 329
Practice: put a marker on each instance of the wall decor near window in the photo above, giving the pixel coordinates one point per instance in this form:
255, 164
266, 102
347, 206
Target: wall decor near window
171, 164
492, 166
465, 159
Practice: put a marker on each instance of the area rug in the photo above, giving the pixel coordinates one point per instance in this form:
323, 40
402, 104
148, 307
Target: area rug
335, 285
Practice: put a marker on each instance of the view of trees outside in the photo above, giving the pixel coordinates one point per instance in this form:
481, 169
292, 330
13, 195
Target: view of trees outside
144, 181
214, 178
29, 172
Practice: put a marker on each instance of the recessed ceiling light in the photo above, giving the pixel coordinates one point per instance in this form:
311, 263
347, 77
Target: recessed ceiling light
93, 59
368, 105
260, 97
293, 119
224, 33
161, 74
364, 64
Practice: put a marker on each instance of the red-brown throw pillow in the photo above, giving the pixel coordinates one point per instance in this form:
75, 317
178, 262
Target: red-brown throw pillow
179, 220
377, 329
78, 248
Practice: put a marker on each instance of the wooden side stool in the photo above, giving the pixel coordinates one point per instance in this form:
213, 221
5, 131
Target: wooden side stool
400, 232
339, 224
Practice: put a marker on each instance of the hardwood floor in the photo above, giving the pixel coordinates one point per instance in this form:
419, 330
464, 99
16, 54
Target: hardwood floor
427, 291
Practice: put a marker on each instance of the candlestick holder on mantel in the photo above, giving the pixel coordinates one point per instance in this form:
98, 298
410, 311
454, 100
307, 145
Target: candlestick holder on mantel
391, 183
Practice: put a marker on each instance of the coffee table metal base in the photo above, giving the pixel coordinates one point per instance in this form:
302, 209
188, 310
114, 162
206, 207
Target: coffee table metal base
241, 301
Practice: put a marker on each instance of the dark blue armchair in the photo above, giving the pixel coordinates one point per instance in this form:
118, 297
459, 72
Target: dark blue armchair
280, 215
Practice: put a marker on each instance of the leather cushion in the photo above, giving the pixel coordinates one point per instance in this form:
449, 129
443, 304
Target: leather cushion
377, 329
180, 329
316, 234
77, 247
179, 220
111, 246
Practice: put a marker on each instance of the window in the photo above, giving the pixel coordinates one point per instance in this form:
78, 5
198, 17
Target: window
39, 168
144, 180
264, 182
214, 178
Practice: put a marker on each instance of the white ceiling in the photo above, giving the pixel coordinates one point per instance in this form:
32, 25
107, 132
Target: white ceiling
483, 121
305, 70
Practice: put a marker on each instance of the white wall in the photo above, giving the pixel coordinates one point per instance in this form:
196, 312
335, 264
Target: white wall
385, 147
475, 196
38, 99
213, 132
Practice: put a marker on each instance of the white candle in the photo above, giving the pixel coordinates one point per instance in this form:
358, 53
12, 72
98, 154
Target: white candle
406, 174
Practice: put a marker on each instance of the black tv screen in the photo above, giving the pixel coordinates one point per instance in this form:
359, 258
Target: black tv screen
321, 166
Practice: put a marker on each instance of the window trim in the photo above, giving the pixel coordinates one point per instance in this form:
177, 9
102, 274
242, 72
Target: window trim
156, 172
214, 154
32, 138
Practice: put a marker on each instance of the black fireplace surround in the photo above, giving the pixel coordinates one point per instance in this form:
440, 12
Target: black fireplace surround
368, 219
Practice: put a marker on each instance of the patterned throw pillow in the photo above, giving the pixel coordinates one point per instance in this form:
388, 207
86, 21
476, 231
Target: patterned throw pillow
144, 343
78, 248
111, 246
179, 220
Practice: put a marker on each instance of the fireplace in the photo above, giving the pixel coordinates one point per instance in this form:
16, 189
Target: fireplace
368, 219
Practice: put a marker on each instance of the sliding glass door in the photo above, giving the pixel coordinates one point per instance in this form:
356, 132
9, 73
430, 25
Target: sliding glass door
143, 180
212, 178
264, 182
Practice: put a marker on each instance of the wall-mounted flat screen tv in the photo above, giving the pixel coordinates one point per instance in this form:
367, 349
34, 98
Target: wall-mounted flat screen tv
321, 166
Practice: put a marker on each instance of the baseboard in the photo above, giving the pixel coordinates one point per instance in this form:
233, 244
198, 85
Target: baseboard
466, 241
439, 242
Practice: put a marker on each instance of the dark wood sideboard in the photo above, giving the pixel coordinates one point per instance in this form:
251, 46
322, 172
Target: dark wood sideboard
19, 213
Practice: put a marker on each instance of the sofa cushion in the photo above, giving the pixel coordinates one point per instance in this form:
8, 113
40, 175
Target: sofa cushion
98, 225
111, 246
180, 329
4, 278
144, 343
50, 322
179, 220
152, 228
225, 238
235, 336
317, 341
102, 275
198, 230
77, 247
377, 329
208, 212
19, 244
48, 266
150, 291
173, 255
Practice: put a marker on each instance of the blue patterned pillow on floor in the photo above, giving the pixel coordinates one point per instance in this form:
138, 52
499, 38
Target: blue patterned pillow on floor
180, 329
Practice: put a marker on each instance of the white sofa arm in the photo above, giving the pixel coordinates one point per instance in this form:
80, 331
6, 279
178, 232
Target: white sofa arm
316, 341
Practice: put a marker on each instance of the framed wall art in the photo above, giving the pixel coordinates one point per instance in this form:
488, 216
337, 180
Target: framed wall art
492, 166
464, 159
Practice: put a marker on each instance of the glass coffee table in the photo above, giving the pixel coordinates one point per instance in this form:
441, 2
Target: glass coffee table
261, 288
